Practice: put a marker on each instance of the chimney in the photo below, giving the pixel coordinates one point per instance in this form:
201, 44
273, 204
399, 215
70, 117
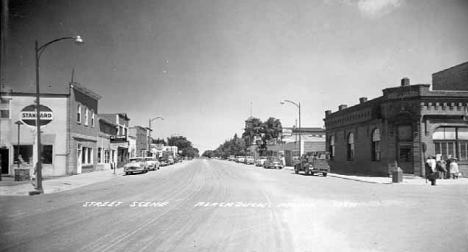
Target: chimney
362, 100
327, 113
405, 82
341, 107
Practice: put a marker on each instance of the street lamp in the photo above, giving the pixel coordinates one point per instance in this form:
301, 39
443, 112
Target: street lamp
39, 50
19, 123
149, 126
299, 107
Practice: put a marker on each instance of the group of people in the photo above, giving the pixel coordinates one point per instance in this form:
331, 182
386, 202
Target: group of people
441, 169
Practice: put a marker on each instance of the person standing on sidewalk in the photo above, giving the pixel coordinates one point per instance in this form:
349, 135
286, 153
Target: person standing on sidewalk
454, 169
431, 171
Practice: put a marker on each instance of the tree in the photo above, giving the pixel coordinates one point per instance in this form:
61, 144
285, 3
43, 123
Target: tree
184, 146
265, 131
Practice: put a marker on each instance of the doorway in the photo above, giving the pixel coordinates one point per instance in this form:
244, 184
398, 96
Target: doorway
4, 162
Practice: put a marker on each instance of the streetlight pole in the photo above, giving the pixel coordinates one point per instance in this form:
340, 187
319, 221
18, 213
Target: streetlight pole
19, 123
300, 130
39, 51
149, 126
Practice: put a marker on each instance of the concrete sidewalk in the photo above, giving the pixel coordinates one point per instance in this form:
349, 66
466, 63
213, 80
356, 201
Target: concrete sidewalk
8, 187
388, 180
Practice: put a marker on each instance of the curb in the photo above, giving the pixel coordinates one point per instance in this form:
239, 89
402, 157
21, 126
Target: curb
359, 180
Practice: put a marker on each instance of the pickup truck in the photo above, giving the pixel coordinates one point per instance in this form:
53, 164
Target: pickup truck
313, 162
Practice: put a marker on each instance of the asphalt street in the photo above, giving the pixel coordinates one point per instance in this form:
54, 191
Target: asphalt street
216, 205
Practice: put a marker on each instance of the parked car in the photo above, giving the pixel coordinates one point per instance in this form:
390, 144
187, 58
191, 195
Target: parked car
240, 159
170, 160
249, 160
232, 158
153, 163
136, 165
273, 162
162, 162
313, 162
260, 161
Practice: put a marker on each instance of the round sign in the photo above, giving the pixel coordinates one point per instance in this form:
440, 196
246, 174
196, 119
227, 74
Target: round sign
28, 115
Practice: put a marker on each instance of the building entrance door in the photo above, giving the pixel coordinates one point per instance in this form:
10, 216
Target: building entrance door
405, 157
4, 162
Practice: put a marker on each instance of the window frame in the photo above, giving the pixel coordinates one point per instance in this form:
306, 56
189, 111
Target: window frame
78, 115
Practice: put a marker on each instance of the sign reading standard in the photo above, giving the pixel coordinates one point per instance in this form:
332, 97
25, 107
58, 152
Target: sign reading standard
28, 115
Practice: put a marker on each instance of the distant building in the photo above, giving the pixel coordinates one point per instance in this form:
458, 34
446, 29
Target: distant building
141, 135
119, 142
312, 140
406, 124
454, 78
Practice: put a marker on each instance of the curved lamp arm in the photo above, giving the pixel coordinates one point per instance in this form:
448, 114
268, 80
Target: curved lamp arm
39, 50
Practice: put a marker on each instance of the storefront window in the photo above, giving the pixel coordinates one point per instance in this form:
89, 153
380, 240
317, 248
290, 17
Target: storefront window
25, 154
451, 142
47, 154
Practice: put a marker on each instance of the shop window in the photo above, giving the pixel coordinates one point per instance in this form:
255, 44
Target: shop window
25, 154
332, 147
376, 145
78, 114
451, 142
106, 156
350, 155
47, 154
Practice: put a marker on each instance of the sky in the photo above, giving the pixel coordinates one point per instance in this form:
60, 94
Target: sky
207, 65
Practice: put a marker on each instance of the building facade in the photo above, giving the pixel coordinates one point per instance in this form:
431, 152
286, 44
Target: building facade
141, 135
68, 138
107, 153
119, 142
405, 125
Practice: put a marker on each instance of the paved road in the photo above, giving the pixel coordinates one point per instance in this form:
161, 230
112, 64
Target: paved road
214, 205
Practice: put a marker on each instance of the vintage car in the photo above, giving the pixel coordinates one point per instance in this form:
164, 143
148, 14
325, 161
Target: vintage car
249, 160
136, 165
313, 162
260, 161
163, 161
240, 159
273, 162
153, 163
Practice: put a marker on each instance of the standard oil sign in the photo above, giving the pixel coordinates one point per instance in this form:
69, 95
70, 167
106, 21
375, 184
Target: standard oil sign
28, 115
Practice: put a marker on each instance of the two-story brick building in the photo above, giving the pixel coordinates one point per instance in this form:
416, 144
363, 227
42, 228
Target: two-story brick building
141, 135
68, 140
119, 142
406, 124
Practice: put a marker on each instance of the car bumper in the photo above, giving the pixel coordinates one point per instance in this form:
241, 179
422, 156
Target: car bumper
134, 169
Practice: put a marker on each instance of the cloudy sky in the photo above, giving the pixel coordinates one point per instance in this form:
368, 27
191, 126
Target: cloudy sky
203, 64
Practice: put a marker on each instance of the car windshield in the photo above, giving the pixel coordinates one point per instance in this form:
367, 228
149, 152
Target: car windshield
137, 159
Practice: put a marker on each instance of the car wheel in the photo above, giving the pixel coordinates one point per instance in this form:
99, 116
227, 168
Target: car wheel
296, 170
126, 173
324, 174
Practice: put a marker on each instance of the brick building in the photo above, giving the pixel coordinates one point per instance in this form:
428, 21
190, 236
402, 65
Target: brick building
141, 135
406, 124
454, 78
68, 140
119, 142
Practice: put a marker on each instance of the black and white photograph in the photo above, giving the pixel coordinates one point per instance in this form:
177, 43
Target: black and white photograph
234, 125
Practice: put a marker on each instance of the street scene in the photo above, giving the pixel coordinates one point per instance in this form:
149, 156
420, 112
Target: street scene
209, 125
218, 205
